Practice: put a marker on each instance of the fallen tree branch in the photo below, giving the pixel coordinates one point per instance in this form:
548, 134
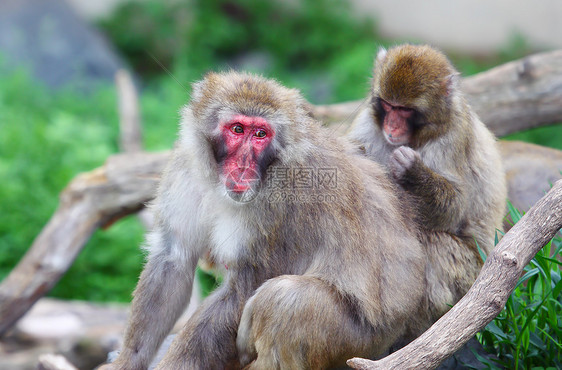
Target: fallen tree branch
90, 201
487, 297
54, 362
515, 96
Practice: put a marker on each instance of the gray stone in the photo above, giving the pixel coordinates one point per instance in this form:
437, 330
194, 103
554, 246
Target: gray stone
59, 48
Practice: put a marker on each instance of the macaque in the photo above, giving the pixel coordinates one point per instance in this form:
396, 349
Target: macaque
322, 260
421, 128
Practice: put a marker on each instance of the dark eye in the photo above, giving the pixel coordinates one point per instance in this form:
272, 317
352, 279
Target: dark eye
260, 133
237, 129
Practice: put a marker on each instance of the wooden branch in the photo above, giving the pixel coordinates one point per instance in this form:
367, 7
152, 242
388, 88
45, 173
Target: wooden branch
512, 97
488, 295
92, 200
129, 116
530, 171
54, 362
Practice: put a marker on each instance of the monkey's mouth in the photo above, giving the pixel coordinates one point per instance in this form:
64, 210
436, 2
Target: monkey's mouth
241, 180
396, 140
396, 133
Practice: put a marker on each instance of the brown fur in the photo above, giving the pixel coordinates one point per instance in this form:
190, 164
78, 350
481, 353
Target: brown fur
456, 177
309, 283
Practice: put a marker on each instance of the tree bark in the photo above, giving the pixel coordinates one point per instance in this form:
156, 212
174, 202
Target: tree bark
513, 97
130, 130
488, 295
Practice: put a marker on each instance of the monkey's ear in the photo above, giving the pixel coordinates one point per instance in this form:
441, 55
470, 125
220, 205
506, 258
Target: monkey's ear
381, 55
208, 82
197, 90
451, 83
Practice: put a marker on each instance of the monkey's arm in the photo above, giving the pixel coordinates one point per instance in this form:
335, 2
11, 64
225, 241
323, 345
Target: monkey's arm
440, 201
208, 340
159, 299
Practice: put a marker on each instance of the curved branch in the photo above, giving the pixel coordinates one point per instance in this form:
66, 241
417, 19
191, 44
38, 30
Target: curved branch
487, 297
92, 200
515, 96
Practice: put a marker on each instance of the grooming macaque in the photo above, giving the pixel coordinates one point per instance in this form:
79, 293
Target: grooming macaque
418, 125
311, 280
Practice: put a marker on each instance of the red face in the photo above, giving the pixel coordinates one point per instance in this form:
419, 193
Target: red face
395, 125
246, 140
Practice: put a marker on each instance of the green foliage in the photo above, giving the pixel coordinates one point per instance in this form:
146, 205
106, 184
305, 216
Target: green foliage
47, 139
550, 136
528, 332
297, 40
108, 267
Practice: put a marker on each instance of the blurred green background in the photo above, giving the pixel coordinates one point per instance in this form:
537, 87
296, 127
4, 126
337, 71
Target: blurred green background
49, 137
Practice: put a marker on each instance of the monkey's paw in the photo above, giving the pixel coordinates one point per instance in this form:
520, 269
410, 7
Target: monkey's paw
401, 160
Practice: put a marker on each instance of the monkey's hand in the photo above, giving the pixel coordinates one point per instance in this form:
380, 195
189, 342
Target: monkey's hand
401, 160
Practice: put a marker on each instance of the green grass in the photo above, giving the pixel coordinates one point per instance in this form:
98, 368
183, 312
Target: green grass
527, 334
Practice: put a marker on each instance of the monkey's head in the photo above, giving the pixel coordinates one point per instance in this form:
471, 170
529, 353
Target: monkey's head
413, 87
239, 125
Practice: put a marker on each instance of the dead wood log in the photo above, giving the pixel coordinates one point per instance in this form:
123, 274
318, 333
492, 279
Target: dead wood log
512, 97
487, 297
54, 362
530, 171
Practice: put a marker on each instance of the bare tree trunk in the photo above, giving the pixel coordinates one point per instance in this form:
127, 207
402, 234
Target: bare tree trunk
487, 297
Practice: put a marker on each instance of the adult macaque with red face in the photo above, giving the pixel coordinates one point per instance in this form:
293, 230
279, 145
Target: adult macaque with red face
243, 153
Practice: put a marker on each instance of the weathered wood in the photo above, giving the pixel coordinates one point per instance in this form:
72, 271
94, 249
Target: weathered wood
515, 96
90, 201
530, 171
54, 362
130, 139
487, 297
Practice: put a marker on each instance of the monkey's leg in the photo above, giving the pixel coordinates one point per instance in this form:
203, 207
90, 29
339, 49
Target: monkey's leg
301, 322
208, 340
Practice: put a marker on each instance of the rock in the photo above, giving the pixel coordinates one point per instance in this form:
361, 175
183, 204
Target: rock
58, 47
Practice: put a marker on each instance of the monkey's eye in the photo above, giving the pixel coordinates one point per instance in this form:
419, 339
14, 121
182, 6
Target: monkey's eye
260, 133
237, 129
